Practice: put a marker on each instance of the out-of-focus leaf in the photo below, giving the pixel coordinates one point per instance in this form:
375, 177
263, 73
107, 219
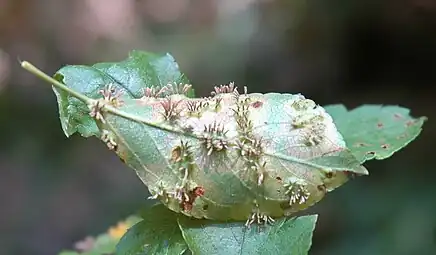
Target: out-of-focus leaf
103, 244
158, 233
130, 77
375, 131
286, 236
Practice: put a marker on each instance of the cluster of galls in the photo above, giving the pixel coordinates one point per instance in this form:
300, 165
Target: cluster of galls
249, 148
309, 118
111, 97
258, 217
296, 190
183, 160
213, 138
169, 89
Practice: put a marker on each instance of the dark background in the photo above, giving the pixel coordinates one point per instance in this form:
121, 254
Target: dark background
55, 191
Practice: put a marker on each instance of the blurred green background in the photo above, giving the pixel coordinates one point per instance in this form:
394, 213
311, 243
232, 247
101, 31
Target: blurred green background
55, 191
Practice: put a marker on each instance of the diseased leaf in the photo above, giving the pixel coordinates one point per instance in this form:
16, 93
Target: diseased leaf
376, 131
158, 233
286, 236
130, 77
229, 156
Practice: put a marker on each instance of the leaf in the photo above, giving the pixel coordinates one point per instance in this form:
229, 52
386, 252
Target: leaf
139, 71
214, 157
223, 157
157, 233
286, 236
376, 131
103, 244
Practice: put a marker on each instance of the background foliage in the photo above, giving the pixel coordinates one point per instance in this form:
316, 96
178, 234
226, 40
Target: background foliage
55, 191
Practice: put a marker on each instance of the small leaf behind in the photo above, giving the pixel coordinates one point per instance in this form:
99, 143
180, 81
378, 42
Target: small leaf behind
375, 131
157, 233
286, 236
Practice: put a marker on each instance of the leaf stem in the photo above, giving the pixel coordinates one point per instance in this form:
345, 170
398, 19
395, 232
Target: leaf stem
34, 70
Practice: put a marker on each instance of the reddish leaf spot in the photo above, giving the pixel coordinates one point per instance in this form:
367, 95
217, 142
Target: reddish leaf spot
257, 104
199, 191
192, 195
360, 144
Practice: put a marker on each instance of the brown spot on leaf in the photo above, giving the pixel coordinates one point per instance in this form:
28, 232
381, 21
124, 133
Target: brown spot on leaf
385, 146
379, 125
198, 191
176, 154
370, 153
192, 195
205, 207
187, 206
329, 175
360, 144
321, 187
278, 178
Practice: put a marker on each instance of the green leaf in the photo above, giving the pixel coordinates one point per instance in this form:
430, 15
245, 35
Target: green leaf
139, 71
286, 236
158, 233
376, 131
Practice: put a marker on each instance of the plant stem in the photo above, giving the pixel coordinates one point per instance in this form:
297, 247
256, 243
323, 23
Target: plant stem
34, 70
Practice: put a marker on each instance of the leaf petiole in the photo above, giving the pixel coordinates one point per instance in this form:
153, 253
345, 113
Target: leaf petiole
34, 70
106, 108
